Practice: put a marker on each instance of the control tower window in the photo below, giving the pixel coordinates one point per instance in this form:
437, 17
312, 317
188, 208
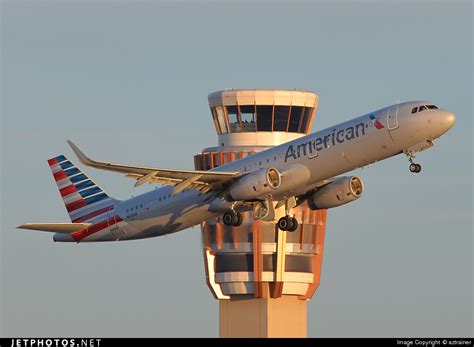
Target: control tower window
281, 115
247, 113
264, 117
295, 117
221, 119
207, 161
306, 117
215, 159
233, 116
216, 123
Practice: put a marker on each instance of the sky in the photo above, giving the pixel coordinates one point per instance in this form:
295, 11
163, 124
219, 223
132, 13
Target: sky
128, 82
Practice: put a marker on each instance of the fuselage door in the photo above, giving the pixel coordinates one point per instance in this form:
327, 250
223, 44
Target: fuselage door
392, 118
112, 222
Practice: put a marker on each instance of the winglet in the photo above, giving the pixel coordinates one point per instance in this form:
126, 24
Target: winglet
81, 156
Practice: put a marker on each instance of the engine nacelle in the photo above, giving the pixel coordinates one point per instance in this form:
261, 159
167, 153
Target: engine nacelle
337, 193
260, 183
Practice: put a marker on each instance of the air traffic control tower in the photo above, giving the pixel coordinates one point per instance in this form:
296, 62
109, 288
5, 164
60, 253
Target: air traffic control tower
263, 277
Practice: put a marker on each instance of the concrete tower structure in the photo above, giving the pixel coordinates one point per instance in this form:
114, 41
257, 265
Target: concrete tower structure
262, 276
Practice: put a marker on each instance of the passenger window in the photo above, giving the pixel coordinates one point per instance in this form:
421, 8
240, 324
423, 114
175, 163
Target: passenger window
414, 109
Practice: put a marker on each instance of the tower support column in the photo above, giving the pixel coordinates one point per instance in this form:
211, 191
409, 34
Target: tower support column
263, 317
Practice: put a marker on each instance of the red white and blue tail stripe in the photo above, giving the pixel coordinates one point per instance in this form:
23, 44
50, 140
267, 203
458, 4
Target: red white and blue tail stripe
84, 200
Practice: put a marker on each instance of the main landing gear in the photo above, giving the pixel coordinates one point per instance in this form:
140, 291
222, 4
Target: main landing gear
232, 219
413, 166
288, 223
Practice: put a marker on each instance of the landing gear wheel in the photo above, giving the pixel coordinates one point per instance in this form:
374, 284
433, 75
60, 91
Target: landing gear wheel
228, 218
287, 223
294, 224
284, 223
239, 220
232, 219
415, 167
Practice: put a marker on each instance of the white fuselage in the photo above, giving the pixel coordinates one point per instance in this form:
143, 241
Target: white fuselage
326, 153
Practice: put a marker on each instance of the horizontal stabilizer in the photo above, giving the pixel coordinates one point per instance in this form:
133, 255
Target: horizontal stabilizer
63, 228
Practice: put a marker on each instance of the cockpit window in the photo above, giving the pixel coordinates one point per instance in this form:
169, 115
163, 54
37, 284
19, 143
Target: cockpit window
424, 107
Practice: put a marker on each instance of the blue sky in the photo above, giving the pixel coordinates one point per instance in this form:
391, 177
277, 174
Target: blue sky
128, 82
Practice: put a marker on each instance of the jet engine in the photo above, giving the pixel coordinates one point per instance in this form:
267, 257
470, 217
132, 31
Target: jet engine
270, 181
340, 192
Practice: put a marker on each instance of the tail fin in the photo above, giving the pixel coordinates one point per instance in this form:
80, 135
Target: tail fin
84, 200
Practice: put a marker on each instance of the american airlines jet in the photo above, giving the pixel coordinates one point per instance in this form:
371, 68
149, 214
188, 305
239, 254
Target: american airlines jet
305, 169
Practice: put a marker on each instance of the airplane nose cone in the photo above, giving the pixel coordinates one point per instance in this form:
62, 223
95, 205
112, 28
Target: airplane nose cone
449, 120
442, 122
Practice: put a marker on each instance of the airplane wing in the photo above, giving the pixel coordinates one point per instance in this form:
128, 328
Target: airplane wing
181, 179
63, 228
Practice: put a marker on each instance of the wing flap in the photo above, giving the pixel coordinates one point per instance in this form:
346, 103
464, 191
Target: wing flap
62, 228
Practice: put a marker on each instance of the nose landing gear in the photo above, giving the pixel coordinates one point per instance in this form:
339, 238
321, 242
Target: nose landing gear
416, 168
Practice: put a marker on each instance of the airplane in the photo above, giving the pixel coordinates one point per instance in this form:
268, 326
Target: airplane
305, 169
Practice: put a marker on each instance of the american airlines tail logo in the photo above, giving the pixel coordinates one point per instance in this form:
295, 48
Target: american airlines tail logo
376, 122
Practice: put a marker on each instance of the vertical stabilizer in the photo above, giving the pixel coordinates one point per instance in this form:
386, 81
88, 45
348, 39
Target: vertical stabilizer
84, 200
